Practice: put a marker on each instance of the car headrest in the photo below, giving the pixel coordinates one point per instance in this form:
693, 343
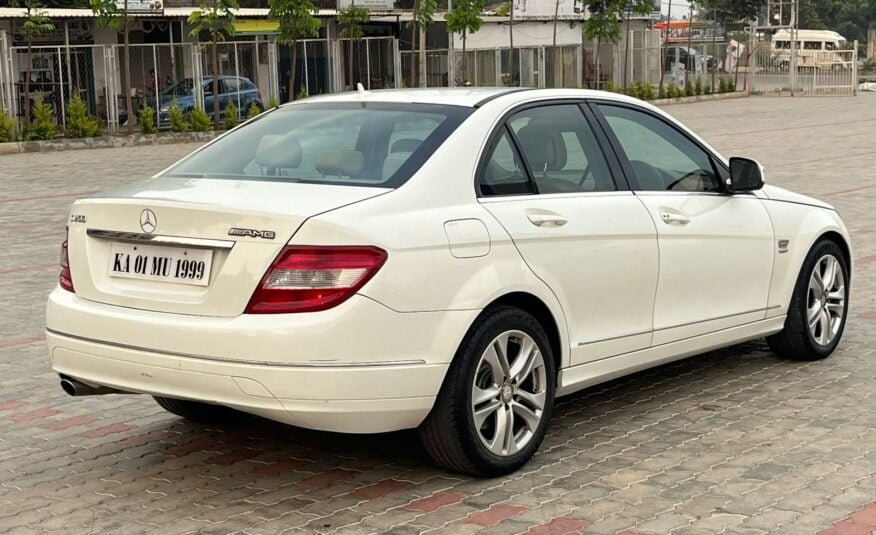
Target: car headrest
405, 145
340, 163
276, 151
543, 146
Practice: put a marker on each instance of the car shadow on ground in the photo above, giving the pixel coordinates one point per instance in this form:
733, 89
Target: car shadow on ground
604, 412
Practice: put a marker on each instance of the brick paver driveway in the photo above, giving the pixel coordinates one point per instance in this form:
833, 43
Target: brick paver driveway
734, 441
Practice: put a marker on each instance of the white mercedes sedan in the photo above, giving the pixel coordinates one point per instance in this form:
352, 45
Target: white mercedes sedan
447, 260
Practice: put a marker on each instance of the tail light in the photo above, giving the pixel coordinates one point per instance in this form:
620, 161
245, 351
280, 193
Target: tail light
312, 278
65, 279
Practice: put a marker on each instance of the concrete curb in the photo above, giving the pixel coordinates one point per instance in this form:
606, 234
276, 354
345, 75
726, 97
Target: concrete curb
106, 142
700, 98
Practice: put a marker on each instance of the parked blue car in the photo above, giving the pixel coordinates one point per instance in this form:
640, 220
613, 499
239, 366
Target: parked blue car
237, 89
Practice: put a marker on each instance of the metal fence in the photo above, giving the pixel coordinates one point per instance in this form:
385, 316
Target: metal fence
798, 71
247, 73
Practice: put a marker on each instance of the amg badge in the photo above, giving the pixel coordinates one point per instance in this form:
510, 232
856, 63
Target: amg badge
252, 233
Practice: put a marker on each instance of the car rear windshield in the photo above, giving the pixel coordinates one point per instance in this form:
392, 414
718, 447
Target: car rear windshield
354, 144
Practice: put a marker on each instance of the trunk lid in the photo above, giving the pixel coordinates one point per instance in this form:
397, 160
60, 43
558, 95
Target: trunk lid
190, 219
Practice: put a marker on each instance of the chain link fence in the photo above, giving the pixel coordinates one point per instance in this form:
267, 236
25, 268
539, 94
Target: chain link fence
247, 73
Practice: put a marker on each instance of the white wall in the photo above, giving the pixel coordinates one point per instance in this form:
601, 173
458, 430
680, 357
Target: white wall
531, 33
104, 36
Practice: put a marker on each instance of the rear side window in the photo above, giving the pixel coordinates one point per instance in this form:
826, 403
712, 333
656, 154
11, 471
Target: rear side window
561, 150
504, 173
356, 144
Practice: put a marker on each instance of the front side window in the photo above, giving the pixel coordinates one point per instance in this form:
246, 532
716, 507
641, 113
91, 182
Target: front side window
561, 150
661, 157
355, 144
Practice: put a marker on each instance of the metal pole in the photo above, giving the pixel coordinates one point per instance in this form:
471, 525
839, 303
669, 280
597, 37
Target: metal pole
155, 77
237, 78
451, 66
367, 61
63, 100
67, 50
306, 74
172, 54
793, 62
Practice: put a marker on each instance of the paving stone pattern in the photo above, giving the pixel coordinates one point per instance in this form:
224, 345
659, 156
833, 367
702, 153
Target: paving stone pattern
735, 441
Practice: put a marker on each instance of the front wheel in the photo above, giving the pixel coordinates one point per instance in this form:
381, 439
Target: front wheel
493, 409
817, 314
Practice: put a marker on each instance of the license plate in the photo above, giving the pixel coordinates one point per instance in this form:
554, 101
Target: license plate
156, 263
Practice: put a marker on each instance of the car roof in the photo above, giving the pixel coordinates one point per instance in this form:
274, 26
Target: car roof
472, 97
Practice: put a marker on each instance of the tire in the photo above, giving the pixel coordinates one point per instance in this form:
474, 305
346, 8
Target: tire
797, 340
450, 435
195, 410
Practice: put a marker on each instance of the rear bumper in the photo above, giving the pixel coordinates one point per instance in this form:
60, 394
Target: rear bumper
384, 384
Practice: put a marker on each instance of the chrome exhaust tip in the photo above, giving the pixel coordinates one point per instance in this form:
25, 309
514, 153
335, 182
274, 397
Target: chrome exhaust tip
77, 388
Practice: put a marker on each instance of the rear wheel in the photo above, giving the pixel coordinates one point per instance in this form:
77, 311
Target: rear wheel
195, 410
493, 409
817, 314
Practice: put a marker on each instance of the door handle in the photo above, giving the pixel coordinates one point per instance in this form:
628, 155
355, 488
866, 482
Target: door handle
670, 218
546, 220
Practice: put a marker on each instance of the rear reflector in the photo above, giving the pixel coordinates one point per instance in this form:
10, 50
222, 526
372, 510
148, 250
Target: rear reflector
65, 279
312, 278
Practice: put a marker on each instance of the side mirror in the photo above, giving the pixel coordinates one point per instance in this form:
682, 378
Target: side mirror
745, 175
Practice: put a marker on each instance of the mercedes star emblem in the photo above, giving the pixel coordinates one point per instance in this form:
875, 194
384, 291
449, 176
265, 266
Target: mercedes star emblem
148, 221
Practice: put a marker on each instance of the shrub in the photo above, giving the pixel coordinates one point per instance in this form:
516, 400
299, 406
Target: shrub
177, 118
146, 115
698, 86
302, 94
42, 127
707, 90
253, 110
7, 127
609, 86
672, 91
646, 91
731, 85
722, 85
230, 116
79, 122
688, 88
633, 90
201, 122
272, 103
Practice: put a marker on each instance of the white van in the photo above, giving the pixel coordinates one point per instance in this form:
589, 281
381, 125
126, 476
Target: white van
816, 48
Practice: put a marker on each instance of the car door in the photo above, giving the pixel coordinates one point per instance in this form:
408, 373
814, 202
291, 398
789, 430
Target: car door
546, 178
716, 249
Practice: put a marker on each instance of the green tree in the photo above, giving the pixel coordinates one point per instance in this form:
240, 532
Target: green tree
35, 24
177, 118
350, 20
200, 120
465, 18
423, 16
79, 122
604, 24
733, 11
297, 20
43, 126
217, 19
110, 15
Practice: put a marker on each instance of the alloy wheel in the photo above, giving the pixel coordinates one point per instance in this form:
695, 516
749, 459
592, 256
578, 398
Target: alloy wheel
509, 392
826, 301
